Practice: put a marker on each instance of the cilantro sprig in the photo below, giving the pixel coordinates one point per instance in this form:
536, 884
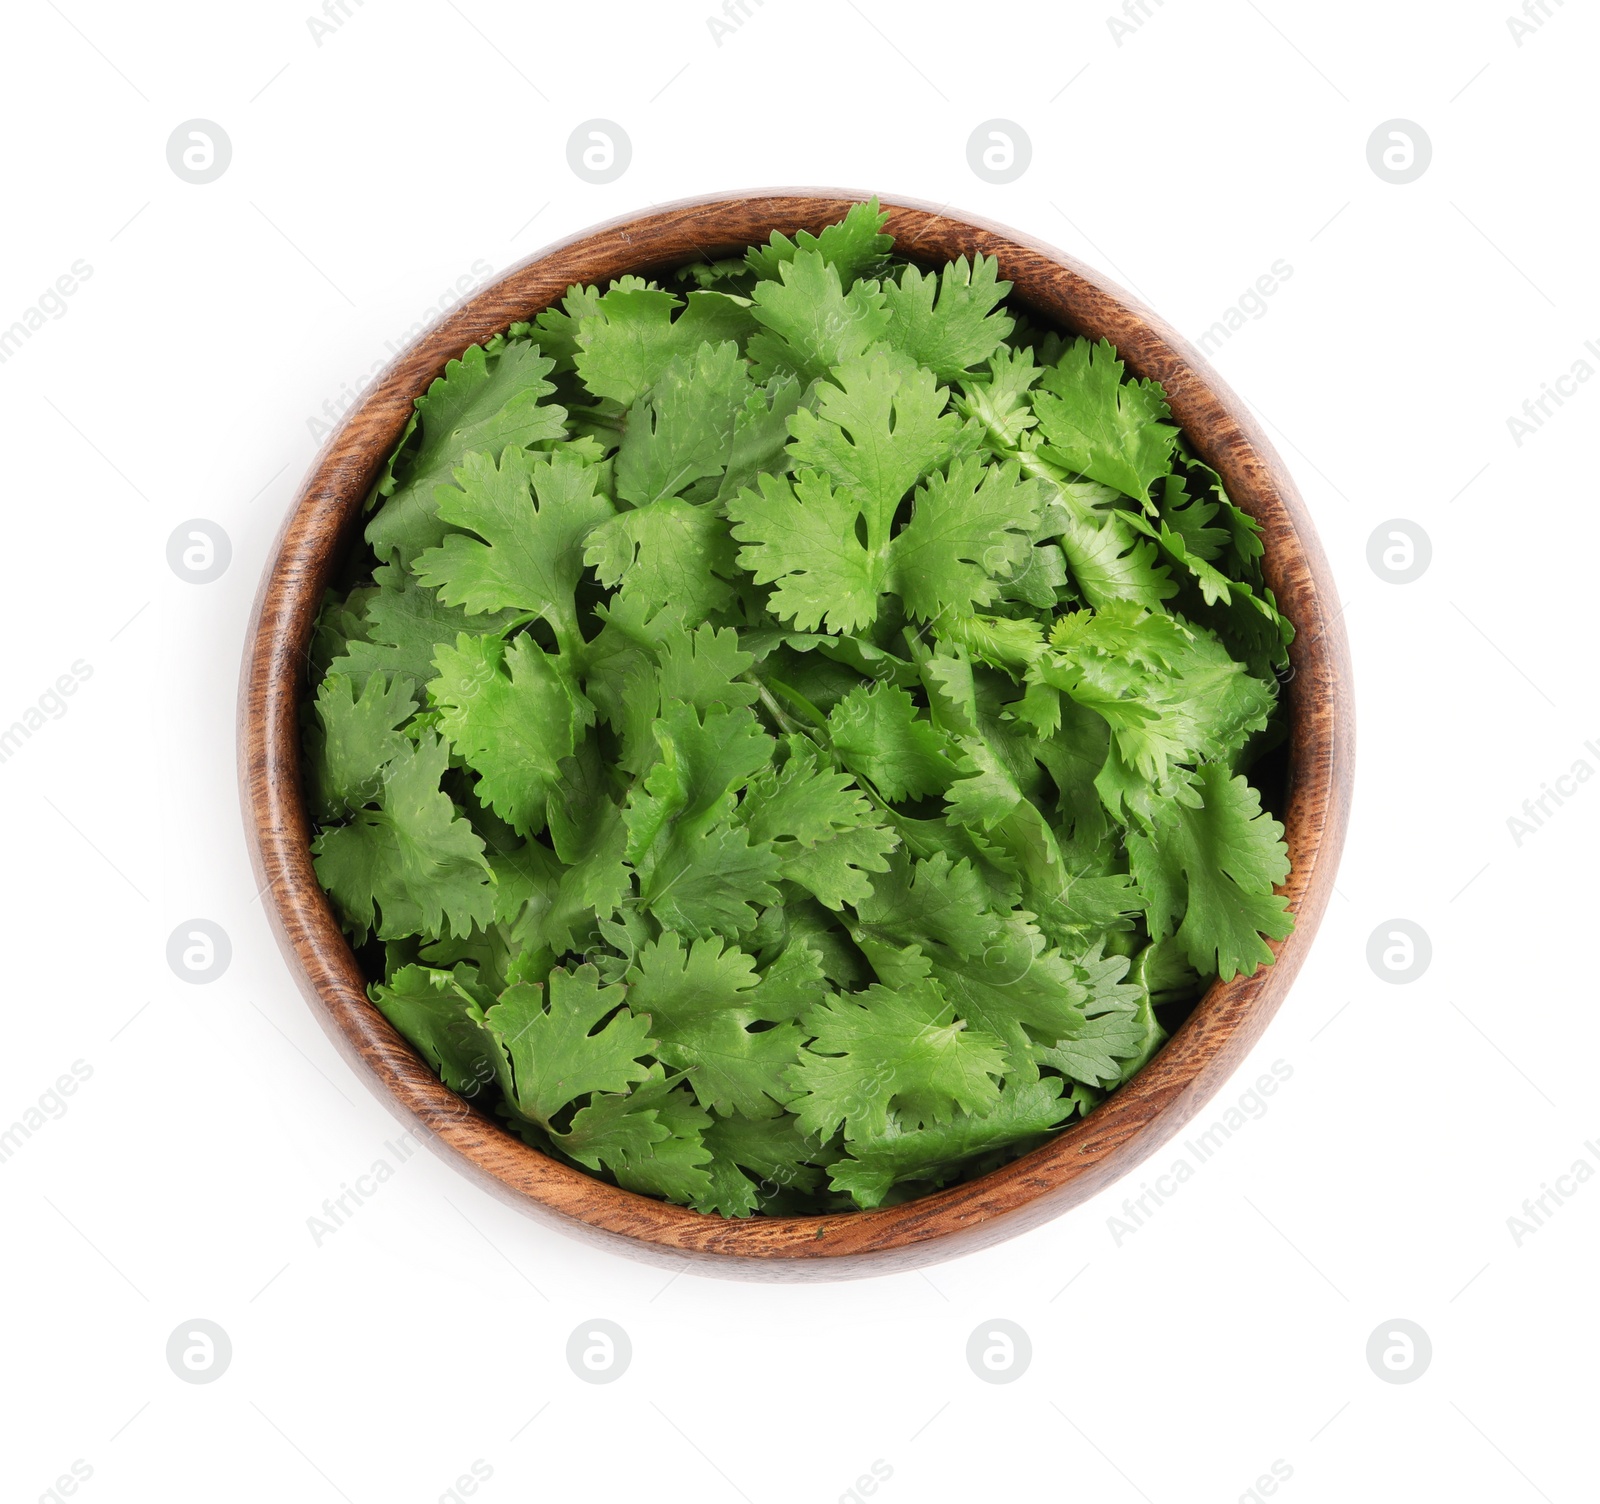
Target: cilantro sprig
783, 744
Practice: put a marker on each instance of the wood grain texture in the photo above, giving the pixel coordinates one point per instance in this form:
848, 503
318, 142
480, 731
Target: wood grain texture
1078, 1162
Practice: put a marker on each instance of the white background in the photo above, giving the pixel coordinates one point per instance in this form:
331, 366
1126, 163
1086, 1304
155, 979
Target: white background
370, 172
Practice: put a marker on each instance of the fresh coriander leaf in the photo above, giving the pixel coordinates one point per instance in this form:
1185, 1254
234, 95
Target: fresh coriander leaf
1101, 426
939, 902
725, 274
513, 946
804, 800
761, 434
438, 1014
484, 404
1170, 693
1118, 1032
1165, 974
1003, 642
702, 1002
866, 658
1092, 1052
810, 324
582, 1038
353, 739
1152, 1037
837, 870
628, 337
825, 539
1209, 867
1107, 559
952, 689
994, 875
340, 622
959, 332
1040, 580
1023, 1110
995, 969
512, 714
799, 922
793, 981
1069, 900
704, 761
802, 536
880, 735
404, 623
970, 529
1191, 518
628, 643
878, 428
683, 430
555, 331
670, 553
700, 669
650, 1140
1212, 583
531, 556
710, 884
852, 247
1001, 401
587, 832
704, 668
879, 1049
699, 873
412, 866
773, 1150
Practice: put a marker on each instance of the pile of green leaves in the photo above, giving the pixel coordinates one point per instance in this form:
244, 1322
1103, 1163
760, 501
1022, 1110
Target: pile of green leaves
782, 746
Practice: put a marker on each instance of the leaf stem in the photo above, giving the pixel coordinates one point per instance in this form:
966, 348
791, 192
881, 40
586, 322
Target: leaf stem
816, 734
785, 722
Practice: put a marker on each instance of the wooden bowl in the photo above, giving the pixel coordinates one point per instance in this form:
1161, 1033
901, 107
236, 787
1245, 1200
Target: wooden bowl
1083, 1159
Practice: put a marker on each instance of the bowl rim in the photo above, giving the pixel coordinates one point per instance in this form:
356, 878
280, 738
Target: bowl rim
1134, 1121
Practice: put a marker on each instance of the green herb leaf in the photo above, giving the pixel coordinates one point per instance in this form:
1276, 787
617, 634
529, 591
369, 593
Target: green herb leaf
810, 323
1105, 428
437, 1012
530, 557
1024, 1109
702, 1002
852, 247
354, 739
904, 1049
512, 715
579, 1039
1211, 861
683, 431
626, 339
962, 330
412, 866
879, 734
482, 404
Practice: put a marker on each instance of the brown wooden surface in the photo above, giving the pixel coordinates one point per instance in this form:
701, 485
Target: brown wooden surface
1078, 1162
